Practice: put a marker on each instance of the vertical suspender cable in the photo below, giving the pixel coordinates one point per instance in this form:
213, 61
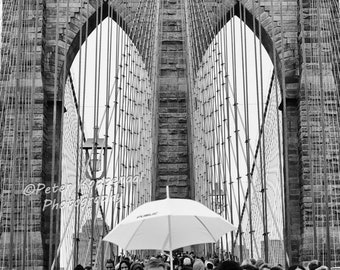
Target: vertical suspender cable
212, 101
238, 177
120, 125
310, 151
263, 148
315, 91
95, 142
246, 115
220, 157
278, 126
54, 131
78, 168
79, 217
224, 152
191, 85
28, 114
229, 140
83, 109
204, 115
213, 121
117, 121
107, 112
14, 174
31, 117
125, 120
116, 111
285, 138
324, 165
104, 149
123, 114
9, 7
259, 132
63, 85
333, 22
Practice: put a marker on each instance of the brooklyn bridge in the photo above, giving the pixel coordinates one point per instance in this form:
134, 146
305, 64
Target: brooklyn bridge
232, 103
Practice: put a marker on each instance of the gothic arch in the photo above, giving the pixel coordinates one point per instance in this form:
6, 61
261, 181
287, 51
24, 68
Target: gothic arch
279, 36
74, 27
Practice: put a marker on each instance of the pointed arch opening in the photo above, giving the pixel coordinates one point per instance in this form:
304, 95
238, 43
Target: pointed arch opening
237, 127
106, 154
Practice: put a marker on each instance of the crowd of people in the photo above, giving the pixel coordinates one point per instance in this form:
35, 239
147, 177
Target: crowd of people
191, 262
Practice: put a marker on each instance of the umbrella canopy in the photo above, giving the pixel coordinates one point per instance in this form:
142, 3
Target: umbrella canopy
169, 224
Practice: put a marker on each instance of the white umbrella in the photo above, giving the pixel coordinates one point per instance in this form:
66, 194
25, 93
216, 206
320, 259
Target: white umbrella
167, 225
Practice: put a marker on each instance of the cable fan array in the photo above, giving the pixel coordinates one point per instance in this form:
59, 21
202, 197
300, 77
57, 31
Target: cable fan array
127, 121
228, 163
77, 132
84, 198
241, 138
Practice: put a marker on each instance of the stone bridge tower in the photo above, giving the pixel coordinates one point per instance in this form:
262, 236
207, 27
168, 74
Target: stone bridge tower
287, 33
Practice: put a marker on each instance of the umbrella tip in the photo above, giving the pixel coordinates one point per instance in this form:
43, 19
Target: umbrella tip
167, 192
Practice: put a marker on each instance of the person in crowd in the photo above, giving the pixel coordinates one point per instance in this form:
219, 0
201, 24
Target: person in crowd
296, 267
265, 266
229, 265
248, 264
160, 257
176, 262
124, 264
198, 265
314, 264
277, 267
79, 267
136, 266
192, 256
253, 261
258, 263
155, 264
187, 265
181, 259
216, 261
322, 267
209, 265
